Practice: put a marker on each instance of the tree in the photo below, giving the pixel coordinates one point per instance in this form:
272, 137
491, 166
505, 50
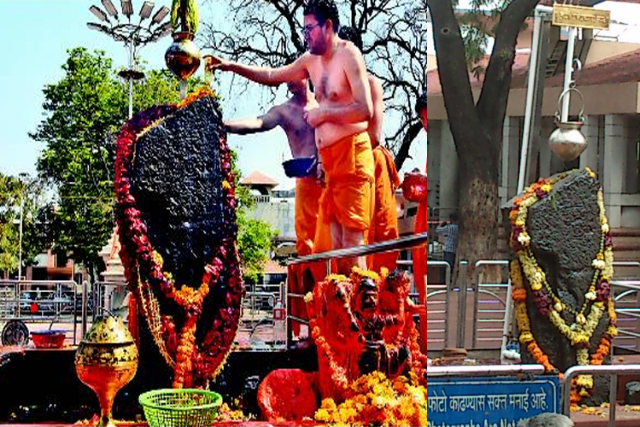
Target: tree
255, 237
84, 112
255, 241
395, 48
477, 125
19, 197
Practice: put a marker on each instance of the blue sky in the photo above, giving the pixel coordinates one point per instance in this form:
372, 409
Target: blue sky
35, 36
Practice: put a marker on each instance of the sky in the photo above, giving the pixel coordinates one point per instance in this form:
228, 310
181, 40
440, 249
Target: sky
36, 35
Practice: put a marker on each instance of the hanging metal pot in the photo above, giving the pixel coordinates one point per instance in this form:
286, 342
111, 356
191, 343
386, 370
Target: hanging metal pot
183, 56
567, 141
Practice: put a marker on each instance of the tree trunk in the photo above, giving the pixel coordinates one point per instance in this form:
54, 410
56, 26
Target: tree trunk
479, 207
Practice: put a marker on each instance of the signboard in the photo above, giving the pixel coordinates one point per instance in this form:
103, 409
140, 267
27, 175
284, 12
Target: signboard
490, 402
566, 15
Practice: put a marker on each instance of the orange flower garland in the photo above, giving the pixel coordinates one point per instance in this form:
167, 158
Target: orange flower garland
519, 296
194, 363
597, 298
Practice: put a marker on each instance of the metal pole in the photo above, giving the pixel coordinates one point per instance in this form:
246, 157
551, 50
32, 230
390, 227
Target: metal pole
131, 53
568, 73
613, 393
533, 86
21, 222
83, 329
484, 370
462, 304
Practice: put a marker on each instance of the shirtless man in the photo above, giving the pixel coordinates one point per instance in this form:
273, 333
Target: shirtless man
290, 117
336, 69
385, 215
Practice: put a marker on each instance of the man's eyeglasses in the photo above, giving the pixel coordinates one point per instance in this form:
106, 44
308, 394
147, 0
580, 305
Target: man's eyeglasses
306, 30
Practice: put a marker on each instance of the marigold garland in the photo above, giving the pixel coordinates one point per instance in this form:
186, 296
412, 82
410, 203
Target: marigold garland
597, 298
376, 400
144, 266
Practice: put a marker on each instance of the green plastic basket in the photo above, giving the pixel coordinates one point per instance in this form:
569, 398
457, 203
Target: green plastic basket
180, 407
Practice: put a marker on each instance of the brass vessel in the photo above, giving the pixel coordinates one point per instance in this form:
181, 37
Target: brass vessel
567, 141
183, 56
106, 360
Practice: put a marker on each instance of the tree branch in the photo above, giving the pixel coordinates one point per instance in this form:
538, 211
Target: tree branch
408, 138
454, 77
492, 103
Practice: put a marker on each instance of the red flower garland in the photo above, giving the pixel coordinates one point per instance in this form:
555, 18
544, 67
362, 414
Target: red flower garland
195, 362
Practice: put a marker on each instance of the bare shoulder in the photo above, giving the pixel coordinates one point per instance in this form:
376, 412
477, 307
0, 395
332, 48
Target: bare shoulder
375, 83
349, 51
304, 60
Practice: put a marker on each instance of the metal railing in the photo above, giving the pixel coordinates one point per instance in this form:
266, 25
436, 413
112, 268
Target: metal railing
327, 257
499, 292
259, 322
438, 298
34, 300
484, 370
609, 370
626, 294
489, 314
40, 301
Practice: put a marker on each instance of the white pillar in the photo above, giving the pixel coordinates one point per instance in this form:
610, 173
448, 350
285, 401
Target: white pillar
448, 172
546, 156
433, 158
591, 131
631, 179
615, 166
510, 157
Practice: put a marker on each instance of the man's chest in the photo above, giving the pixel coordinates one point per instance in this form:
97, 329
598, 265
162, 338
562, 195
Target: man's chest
330, 82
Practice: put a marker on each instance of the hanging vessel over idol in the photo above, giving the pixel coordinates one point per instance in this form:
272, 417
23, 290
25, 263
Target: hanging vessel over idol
567, 141
183, 56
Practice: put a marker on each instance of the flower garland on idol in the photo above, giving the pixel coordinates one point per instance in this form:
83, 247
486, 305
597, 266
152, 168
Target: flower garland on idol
597, 298
194, 362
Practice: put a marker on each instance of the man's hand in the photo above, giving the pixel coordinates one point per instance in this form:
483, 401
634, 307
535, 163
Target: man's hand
320, 174
212, 62
314, 117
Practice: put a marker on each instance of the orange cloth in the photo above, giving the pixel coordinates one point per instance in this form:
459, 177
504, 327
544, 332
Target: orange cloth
322, 243
349, 171
385, 214
308, 192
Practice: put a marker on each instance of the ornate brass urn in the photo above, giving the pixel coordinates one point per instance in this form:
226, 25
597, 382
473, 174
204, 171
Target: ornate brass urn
106, 360
183, 56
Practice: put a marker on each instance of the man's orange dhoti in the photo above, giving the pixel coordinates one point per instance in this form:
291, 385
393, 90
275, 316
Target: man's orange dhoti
385, 215
349, 172
308, 192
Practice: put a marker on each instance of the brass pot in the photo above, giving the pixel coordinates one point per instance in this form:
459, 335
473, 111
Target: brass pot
567, 141
106, 360
183, 56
